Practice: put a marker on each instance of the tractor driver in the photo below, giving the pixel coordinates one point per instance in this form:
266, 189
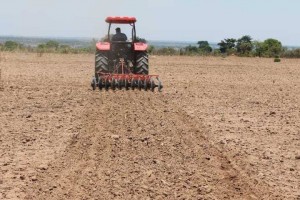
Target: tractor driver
119, 36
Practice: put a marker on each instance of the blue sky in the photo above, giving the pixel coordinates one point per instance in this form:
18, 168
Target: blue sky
180, 20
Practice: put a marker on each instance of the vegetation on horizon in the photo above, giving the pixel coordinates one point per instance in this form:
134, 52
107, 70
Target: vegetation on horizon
244, 46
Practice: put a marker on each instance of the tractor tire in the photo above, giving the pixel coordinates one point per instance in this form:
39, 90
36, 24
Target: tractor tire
101, 63
142, 64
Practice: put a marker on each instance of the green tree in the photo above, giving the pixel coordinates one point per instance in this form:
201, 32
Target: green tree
291, 53
227, 45
244, 45
268, 48
272, 47
204, 47
64, 49
52, 45
258, 48
11, 45
191, 50
167, 51
41, 46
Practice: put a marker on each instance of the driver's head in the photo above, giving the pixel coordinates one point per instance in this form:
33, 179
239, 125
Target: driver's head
118, 30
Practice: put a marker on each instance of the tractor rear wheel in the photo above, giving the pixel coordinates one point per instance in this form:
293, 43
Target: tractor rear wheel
101, 63
142, 64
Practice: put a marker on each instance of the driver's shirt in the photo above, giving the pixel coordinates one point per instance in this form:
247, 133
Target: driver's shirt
119, 37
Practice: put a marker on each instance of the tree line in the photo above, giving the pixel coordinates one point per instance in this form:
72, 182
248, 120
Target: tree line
244, 46
50, 46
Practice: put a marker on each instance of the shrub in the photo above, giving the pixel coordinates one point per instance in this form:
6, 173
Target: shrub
277, 59
52, 45
295, 53
151, 49
271, 47
227, 45
204, 47
166, 51
12, 46
65, 49
244, 45
216, 52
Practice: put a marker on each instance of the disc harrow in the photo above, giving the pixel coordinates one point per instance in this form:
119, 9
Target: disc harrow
127, 81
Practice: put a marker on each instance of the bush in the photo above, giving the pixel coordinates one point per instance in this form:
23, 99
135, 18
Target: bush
166, 51
190, 50
227, 45
204, 47
271, 47
151, 49
12, 46
216, 52
64, 49
277, 59
244, 46
295, 53
52, 45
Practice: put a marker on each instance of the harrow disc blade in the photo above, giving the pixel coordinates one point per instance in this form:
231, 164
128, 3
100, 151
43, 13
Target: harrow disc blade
120, 81
100, 84
139, 84
152, 85
126, 84
93, 83
132, 84
145, 85
120, 84
113, 84
106, 84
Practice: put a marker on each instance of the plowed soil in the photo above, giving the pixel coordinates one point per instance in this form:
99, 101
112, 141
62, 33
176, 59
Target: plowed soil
223, 128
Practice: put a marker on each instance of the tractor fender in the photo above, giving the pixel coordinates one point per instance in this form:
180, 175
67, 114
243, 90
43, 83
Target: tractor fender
139, 46
103, 46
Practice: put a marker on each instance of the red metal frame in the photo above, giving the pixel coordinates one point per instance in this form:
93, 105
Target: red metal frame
120, 20
123, 76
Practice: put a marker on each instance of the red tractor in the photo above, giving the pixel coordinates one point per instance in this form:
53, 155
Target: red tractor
123, 64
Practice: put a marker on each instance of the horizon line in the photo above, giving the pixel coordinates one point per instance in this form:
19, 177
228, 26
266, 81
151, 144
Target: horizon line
91, 38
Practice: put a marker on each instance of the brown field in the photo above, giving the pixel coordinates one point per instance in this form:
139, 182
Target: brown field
223, 128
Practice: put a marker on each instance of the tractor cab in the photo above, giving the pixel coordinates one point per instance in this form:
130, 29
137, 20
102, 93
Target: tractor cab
131, 42
121, 21
123, 63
